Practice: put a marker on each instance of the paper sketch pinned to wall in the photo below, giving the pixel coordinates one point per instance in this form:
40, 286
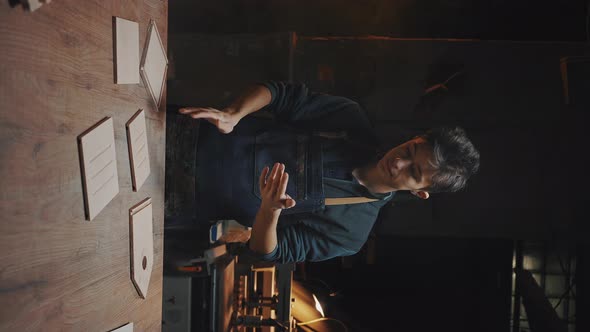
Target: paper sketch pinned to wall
98, 164
154, 64
142, 245
137, 143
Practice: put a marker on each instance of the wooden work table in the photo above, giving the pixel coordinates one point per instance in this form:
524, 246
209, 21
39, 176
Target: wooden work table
59, 271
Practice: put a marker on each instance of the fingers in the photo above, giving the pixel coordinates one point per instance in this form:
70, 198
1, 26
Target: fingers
273, 174
266, 180
201, 112
206, 114
273, 185
283, 184
225, 120
276, 180
288, 202
262, 180
188, 110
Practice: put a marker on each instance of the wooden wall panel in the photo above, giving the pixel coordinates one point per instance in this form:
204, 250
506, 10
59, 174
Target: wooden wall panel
58, 271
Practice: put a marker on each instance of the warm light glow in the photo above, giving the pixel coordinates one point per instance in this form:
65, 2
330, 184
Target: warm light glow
318, 306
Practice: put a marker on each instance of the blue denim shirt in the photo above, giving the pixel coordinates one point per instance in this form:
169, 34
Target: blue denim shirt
336, 230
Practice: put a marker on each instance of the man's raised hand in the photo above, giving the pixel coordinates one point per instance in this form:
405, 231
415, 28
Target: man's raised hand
225, 120
273, 189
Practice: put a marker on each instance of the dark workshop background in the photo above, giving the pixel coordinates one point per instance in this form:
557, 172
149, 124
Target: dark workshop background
514, 74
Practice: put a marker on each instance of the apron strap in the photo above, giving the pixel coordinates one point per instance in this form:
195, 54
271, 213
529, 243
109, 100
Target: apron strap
349, 200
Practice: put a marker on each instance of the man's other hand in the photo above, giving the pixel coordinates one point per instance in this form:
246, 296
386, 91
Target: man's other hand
225, 120
273, 189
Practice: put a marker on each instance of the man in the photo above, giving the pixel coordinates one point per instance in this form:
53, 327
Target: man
281, 173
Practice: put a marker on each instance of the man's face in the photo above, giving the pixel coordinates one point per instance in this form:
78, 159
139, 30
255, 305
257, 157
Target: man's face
408, 166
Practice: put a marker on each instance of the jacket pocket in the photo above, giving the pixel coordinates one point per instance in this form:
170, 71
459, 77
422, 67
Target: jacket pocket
289, 149
301, 153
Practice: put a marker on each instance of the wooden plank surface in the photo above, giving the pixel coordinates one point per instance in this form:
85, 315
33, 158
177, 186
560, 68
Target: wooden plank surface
57, 271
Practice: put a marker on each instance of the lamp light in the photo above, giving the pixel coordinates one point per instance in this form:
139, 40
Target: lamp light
318, 306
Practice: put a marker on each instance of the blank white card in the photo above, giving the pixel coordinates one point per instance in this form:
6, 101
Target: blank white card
126, 51
137, 143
